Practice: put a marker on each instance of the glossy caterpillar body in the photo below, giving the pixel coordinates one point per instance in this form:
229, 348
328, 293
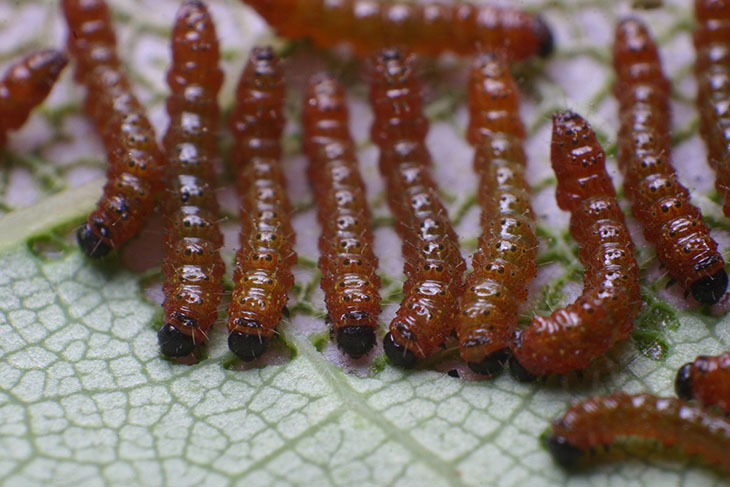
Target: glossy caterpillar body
193, 267
571, 337
135, 172
263, 274
25, 85
707, 380
504, 263
427, 28
660, 202
433, 264
348, 264
599, 420
712, 71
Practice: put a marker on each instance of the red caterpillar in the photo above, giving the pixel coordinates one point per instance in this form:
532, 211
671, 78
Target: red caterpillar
707, 380
193, 267
504, 264
263, 274
570, 337
433, 264
347, 260
134, 176
712, 70
428, 28
600, 419
25, 85
660, 202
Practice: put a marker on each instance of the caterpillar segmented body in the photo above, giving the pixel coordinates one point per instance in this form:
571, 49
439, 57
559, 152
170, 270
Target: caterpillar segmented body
135, 172
193, 267
707, 380
504, 263
712, 71
571, 337
427, 28
660, 202
348, 264
433, 264
263, 274
25, 85
599, 420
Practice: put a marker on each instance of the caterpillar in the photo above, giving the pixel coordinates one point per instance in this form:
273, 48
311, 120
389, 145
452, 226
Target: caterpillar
504, 263
571, 337
25, 85
599, 420
263, 273
428, 28
135, 173
193, 267
348, 264
433, 264
707, 380
712, 71
660, 202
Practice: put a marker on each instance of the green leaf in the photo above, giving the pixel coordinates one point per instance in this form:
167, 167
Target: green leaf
86, 400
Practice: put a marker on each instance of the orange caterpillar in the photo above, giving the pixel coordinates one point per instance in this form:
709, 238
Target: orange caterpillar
599, 420
504, 264
135, 170
193, 267
427, 28
347, 260
263, 274
25, 85
712, 70
660, 202
570, 337
707, 380
433, 264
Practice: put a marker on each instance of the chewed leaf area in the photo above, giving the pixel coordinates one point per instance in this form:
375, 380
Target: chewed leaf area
86, 399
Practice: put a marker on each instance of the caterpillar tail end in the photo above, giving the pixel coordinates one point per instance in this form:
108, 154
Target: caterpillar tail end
492, 363
398, 354
563, 452
683, 382
247, 346
91, 244
174, 343
710, 289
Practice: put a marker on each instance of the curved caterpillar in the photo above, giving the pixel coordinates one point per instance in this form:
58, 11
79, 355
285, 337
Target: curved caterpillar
25, 85
427, 28
433, 264
504, 263
600, 419
263, 274
348, 264
135, 171
712, 71
660, 202
193, 267
707, 380
570, 337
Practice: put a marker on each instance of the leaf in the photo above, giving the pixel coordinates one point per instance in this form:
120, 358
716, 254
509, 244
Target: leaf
85, 399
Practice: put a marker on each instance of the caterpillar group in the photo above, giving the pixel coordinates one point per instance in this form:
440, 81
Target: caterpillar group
347, 261
134, 176
428, 28
433, 263
660, 202
193, 267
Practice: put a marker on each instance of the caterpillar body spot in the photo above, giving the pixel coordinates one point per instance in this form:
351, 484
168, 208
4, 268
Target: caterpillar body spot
262, 276
504, 263
433, 263
712, 71
193, 267
135, 173
660, 202
599, 420
25, 85
348, 264
707, 380
428, 28
571, 337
